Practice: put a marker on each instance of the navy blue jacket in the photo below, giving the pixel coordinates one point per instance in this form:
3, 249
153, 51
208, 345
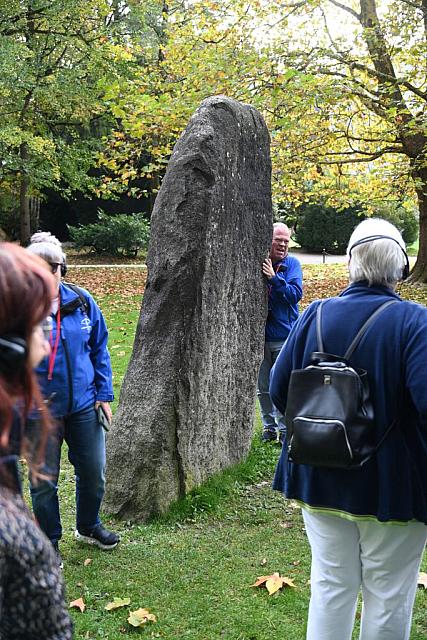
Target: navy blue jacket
284, 293
82, 369
392, 486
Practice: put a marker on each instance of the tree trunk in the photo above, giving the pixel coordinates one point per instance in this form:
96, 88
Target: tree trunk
24, 204
419, 272
34, 213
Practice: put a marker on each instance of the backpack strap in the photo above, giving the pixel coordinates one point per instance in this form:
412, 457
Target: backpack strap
365, 327
71, 306
319, 327
359, 334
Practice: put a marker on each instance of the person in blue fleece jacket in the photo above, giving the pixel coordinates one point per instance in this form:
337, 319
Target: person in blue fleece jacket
75, 380
367, 528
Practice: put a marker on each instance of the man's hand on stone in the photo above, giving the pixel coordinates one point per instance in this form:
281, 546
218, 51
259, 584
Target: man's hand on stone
267, 268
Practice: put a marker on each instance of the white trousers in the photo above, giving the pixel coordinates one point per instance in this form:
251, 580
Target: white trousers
382, 560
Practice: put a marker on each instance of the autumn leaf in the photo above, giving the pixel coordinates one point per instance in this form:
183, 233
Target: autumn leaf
141, 616
273, 583
87, 561
77, 604
117, 603
422, 579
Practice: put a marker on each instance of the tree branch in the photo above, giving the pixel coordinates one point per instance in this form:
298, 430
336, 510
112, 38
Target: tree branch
347, 9
369, 157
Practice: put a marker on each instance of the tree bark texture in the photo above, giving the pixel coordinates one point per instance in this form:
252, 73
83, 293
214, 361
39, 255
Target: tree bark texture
187, 403
24, 203
419, 272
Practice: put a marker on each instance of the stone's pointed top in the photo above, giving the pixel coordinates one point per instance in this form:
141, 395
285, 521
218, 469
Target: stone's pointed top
225, 101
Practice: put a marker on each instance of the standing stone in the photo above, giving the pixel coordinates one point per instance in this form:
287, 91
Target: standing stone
187, 403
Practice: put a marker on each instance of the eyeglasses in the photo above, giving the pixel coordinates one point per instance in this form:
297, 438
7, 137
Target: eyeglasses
46, 327
54, 266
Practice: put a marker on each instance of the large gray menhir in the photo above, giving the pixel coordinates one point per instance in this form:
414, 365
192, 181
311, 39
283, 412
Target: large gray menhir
187, 404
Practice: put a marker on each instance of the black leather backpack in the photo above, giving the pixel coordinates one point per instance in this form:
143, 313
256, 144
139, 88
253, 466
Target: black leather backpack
329, 413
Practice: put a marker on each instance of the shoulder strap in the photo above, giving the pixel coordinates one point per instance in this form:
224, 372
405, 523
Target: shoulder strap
359, 334
319, 327
82, 300
365, 327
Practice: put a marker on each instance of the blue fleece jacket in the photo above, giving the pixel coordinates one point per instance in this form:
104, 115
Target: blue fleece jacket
284, 293
82, 368
392, 486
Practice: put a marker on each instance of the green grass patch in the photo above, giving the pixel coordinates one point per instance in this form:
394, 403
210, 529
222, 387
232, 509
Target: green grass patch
194, 567
412, 249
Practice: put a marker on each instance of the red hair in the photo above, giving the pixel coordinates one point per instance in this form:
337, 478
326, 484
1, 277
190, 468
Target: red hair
26, 291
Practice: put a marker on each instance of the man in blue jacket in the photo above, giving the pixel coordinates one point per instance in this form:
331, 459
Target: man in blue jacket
284, 278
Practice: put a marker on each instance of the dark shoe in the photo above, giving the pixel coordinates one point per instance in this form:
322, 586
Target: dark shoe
58, 555
269, 435
98, 536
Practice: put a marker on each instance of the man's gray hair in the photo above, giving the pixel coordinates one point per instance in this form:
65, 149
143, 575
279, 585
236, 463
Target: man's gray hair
46, 246
380, 261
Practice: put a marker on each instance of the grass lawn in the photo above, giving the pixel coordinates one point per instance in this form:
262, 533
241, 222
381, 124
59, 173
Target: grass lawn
194, 568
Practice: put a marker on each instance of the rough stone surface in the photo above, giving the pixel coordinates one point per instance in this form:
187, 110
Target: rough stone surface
187, 404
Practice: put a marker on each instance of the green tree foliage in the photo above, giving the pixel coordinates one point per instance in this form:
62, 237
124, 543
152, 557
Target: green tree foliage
54, 60
112, 235
321, 227
351, 80
196, 49
114, 82
402, 218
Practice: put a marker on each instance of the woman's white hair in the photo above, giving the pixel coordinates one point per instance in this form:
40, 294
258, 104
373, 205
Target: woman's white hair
380, 261
47, 246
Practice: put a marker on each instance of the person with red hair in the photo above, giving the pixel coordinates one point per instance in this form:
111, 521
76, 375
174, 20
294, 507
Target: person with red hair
31, 587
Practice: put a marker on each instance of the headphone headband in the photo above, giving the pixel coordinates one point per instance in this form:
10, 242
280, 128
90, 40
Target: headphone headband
13, 353
13, 343
405, 272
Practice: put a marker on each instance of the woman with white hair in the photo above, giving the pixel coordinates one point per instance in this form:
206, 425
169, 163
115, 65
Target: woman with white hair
76, 381
367, 526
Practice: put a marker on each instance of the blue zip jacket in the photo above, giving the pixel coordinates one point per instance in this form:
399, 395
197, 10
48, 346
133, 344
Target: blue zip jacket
82, 369
284, 293
392, 486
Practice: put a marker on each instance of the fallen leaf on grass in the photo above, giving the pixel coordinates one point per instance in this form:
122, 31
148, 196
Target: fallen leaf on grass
117, 603
422, 579
141, 616
273, 583
77, 604
87, 561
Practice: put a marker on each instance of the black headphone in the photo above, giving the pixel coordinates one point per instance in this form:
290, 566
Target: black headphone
13, 353
63, 268
406, 268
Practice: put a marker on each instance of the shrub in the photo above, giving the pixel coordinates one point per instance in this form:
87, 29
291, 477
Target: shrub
113, 235
406, 221
320, 227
